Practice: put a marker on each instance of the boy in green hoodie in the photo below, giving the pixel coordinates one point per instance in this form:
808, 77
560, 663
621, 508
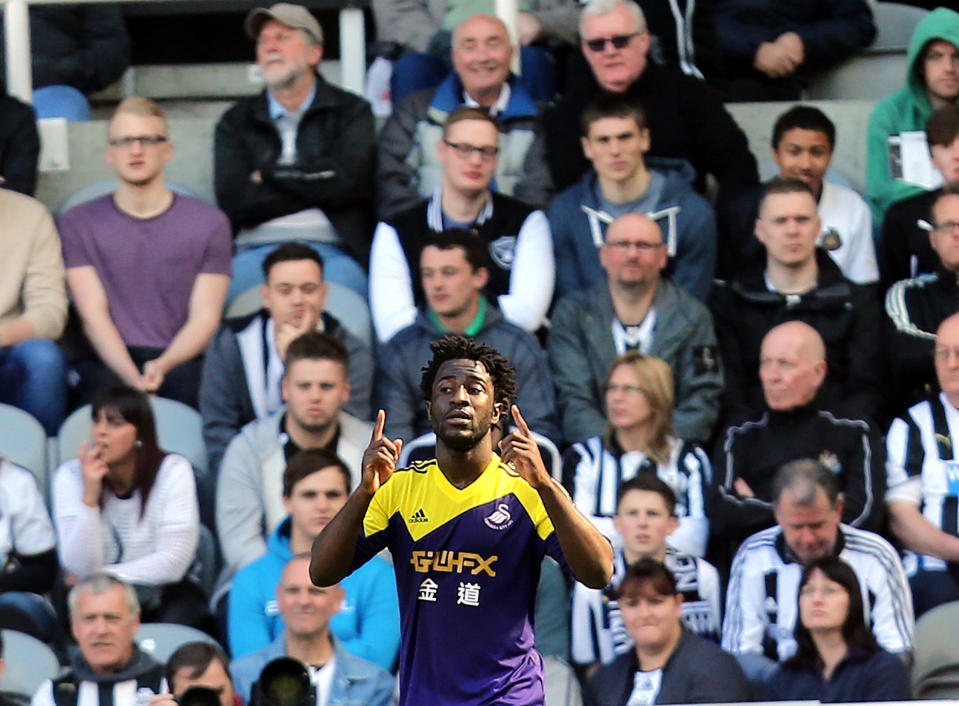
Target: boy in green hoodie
932, 81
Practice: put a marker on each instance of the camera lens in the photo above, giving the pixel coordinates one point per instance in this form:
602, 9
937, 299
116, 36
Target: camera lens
199, 696
286, 682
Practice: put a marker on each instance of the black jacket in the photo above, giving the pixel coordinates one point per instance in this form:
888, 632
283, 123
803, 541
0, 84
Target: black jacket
19, 145
685, 117
84, 46
697, 672
335, 169
851, 448
914, 310
904, 249
846, 315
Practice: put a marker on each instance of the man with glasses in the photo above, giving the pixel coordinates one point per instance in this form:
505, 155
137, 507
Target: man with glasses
148, 269
916, 307
622, 181
408, 169
923, 478
516, 236
685, 116
634, 307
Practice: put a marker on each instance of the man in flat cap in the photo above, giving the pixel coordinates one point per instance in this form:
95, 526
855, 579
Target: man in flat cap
296, 161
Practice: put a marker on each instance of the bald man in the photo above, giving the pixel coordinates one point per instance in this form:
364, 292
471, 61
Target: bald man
623, 180
794, 425
408, 169
633, 306
923, 478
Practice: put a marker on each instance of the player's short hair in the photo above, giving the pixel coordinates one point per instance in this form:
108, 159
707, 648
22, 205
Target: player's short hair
647, 572
656, 381
784, 185
307, 462
137, 105
317, 345
803, 478
804, 117
468, 113
648, 482
197, 657
612, 105
291, 252
456, 347
595, 8
473, 247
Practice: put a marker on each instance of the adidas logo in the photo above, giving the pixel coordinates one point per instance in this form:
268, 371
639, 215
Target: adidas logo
419, 516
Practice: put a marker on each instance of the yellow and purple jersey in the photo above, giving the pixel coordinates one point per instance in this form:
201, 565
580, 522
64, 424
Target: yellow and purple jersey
467, 565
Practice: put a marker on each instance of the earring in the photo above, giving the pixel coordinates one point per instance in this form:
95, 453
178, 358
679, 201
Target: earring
138, 444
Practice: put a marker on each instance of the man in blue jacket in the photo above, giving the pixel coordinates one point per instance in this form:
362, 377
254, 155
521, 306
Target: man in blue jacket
315, 486
615, 141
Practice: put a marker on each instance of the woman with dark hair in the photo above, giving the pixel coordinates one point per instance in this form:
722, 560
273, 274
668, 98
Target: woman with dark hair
127, 507
669, 664
838, 658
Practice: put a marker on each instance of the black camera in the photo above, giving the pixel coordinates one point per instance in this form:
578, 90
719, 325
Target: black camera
199, 696
284, 682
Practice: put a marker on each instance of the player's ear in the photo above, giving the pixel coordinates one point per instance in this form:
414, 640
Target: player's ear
500, 410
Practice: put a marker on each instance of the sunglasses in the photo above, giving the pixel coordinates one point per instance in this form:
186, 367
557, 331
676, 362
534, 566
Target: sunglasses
619, 42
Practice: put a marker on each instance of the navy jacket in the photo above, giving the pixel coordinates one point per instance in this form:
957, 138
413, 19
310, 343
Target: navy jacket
860, 676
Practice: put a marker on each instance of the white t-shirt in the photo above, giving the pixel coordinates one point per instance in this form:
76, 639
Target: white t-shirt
847, 222
25, 527
645, 688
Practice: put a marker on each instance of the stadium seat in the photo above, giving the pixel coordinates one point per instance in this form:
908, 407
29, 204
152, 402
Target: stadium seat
562, 688
29, 663
160, 640
935, 667
24, 442
106, 186
349, 308
424, 447
179, 429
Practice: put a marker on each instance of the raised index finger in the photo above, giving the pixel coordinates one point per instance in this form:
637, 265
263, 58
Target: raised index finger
378, 427
520, 422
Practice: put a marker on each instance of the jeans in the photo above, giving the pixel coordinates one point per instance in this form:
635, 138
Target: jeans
61, 102
181, 384
932, 588
337, 267
415, 71
33, 377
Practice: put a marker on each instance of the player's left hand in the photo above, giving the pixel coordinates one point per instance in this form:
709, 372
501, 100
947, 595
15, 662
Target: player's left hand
520, 451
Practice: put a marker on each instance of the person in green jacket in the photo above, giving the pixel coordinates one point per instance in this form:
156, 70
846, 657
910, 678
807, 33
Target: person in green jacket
932, 81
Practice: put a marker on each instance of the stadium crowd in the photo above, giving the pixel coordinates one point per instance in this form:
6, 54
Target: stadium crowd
751, 390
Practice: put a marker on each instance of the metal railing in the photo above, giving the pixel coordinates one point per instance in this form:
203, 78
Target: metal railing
17, 45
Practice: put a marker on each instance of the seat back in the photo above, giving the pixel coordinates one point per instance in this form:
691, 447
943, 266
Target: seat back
107, 186
935, 666
160, 640
29, 663
24, 442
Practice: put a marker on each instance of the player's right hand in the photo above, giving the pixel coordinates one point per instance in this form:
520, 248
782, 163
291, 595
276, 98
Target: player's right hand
380, 457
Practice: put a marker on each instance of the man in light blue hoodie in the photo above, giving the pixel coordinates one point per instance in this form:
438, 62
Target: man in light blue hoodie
316, 485
623, 181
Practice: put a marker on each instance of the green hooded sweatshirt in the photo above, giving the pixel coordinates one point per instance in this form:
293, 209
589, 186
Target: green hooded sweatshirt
906, 109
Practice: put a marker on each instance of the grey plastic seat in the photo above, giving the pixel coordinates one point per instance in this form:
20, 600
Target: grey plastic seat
24, 442
107, 186
349, 308
935, 666
160, 640
179, 429
29, 663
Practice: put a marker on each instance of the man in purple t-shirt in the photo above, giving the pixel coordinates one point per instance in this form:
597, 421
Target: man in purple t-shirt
147, 269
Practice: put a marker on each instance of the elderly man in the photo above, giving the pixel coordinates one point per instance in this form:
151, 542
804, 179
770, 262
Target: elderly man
296, 161
516, 235
761, 599
792, 368
634, 307
408, 169
306, 610
108, 668
923, 480
797, 281
148, 269
916, 307
685, 116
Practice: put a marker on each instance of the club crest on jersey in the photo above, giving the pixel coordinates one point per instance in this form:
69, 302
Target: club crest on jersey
502, 250
830, 461
500, 518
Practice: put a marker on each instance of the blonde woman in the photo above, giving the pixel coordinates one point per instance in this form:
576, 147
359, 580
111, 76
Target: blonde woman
640, 438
